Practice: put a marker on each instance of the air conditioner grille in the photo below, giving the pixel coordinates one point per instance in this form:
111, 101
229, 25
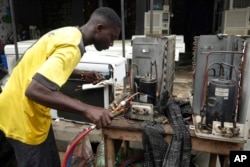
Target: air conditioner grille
236, 19
241, 3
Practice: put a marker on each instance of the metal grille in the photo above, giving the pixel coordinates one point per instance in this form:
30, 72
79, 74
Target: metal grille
241, 3
168, 68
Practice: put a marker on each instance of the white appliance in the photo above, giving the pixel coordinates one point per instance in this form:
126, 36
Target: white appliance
113, 55
91, 61
101, 94
179, 46
9, 51
95, 61
236, 21
115, 51
161, 22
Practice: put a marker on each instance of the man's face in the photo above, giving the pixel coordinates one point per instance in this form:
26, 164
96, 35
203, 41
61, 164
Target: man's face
105, 37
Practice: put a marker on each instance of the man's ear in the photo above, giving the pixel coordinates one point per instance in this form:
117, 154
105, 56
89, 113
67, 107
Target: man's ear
99, 27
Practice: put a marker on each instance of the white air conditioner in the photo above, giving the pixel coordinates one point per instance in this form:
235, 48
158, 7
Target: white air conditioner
10, 52
161, 22
236, 21
237, 18
237, 31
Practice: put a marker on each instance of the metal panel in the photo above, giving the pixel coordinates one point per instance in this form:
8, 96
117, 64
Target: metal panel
157, 51
212, 43
230, 51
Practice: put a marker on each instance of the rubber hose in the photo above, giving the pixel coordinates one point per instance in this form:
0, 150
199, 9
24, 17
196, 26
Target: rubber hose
69, 151
132, 160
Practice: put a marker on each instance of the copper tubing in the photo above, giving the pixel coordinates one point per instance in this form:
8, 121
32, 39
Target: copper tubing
120, 108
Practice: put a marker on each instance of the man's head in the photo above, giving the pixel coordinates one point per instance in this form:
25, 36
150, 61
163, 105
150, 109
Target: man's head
107, 27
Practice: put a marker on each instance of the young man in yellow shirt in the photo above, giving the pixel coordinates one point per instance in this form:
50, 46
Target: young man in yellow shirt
34, 87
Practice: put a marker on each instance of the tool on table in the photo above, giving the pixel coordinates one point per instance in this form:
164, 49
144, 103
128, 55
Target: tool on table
120, 106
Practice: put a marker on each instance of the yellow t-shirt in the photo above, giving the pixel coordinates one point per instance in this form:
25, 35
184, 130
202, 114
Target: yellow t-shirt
54, 57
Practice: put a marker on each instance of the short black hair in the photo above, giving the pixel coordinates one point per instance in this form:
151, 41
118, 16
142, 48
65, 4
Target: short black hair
109, 14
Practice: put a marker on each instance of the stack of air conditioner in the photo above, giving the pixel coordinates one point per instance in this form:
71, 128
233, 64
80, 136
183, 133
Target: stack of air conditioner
236, 21
160, 22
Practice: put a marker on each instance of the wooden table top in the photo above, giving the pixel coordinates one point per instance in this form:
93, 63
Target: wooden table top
135, 125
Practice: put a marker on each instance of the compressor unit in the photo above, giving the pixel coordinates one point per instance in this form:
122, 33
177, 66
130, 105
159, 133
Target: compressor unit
220, 96
220, 103
151, 73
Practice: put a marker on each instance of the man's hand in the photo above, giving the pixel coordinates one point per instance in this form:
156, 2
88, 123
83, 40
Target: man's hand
99, 116
92, 77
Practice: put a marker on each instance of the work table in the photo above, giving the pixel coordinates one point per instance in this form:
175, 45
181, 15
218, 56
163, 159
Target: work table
130, 130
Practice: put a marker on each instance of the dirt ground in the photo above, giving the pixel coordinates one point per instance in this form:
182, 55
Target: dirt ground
183, 83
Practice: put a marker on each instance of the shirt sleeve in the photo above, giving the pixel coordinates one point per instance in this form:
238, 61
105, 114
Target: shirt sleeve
59, 66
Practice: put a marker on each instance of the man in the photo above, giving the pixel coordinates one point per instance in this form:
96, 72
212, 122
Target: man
34, 87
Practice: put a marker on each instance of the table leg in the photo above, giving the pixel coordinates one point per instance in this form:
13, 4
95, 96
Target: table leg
212, 160
224, 160
109, 152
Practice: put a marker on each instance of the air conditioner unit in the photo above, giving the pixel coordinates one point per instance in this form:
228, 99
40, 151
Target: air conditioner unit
237, 18
161, 22
10, 52
236, 21
237, 31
